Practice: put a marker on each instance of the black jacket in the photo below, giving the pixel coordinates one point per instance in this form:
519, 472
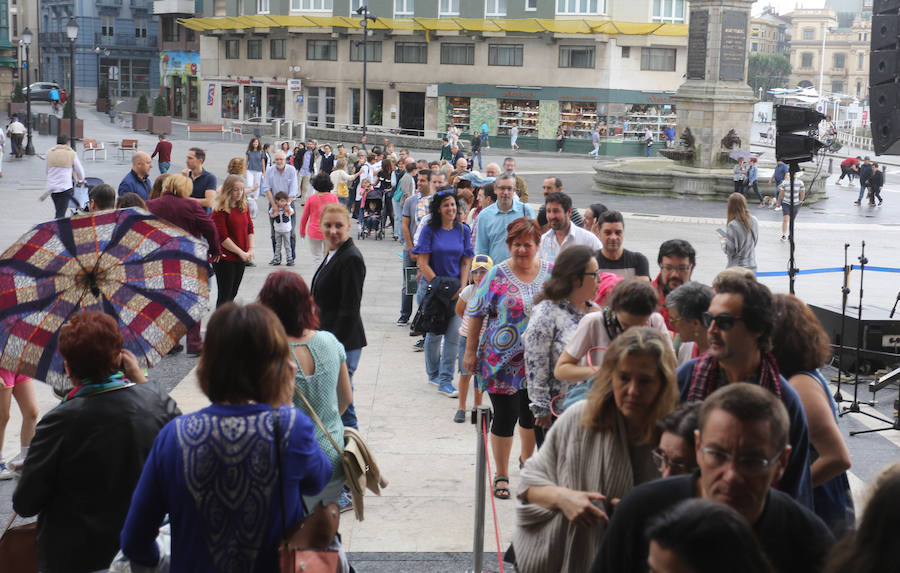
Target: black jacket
298, 160
438, 305
326, 165
337, 289
876, 181
82, 467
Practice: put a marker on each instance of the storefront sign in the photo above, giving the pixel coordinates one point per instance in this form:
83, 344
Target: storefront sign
295, 85
699, 27
211, 94
733, 51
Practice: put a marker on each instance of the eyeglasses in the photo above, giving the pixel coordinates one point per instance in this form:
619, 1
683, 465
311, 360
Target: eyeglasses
679, 268
743, 464
723, 321
595, 274
662, 462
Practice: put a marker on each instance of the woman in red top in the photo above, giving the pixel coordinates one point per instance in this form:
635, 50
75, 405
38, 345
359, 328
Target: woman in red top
232, 218
312, 212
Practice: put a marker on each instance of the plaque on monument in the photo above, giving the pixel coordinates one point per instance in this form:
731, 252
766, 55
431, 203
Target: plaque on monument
699, 27
733, 51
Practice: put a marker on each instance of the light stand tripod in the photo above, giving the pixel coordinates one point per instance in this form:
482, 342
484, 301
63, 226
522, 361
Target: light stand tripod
793, 168
845, 290
854, 405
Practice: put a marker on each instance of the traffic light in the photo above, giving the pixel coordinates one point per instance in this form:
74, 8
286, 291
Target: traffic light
791, 146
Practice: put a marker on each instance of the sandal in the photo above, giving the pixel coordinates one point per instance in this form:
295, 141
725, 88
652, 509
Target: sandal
499, 491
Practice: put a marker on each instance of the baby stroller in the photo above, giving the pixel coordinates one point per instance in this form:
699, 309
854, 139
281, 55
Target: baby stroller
80, 198
372, 215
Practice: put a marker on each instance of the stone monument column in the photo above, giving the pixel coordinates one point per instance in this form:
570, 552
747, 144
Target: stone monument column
715, 97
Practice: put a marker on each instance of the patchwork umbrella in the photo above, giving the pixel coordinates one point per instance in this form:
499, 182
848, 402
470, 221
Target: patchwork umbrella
148, 274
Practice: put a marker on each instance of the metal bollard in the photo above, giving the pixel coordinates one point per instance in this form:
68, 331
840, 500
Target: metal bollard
482, 420
830, 164
884, 174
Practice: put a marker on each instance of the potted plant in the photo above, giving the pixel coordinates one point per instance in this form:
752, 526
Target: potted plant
103, 97
141, 118
66, 122
161, 122
17, 101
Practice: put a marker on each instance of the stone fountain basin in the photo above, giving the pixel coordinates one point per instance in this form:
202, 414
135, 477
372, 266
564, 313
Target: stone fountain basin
660, 177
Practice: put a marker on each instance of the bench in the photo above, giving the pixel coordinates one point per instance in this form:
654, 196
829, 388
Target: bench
93, 146
207, 128
128, 145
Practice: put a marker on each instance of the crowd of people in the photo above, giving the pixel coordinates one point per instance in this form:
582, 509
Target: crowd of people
663, 423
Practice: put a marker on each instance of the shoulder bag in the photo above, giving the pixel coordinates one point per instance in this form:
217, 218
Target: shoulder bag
360, 470
18, 547
307, 547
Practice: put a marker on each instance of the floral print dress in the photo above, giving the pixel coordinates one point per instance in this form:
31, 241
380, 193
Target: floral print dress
505, 303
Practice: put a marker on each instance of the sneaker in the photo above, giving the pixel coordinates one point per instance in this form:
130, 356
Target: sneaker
856, 202
448, 390
193, 352
880, 202
419, 346
402, 321
345, 502
275, 262
435, 382
5, 472
776, 208
783, 238
16, 463
460, 417
249, 264
290, 263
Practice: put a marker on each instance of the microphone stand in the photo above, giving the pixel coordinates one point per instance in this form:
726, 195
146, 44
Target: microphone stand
845, 290
894, 309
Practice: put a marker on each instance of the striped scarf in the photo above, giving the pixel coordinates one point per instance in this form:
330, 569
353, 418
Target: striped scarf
88, 387
706, 375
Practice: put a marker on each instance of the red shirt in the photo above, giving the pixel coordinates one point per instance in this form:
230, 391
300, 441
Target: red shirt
164, 148
849, 161
312, 213
237, 226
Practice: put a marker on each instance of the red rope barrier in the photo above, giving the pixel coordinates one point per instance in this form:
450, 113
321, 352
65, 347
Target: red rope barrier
487, 457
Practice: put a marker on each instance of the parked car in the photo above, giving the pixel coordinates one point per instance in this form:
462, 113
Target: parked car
40, 91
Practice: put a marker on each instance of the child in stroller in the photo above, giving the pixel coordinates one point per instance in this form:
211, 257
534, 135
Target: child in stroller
373, 203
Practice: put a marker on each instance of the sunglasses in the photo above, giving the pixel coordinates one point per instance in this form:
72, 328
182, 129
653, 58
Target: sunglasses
723, 321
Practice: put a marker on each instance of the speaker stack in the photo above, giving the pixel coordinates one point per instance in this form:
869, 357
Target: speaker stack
884, 76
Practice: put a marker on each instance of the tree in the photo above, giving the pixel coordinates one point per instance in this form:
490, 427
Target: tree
143, 106
160, 108
768, 71
68, 109
18, 95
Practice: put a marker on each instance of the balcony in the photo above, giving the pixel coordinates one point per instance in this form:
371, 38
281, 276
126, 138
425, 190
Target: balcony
173, 7
109, 3
140, 6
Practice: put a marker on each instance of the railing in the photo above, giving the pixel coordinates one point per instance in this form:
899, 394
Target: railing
855, 141
109, 3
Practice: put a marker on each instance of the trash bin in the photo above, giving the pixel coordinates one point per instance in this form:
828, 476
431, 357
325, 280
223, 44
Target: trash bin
54, 125
43, 123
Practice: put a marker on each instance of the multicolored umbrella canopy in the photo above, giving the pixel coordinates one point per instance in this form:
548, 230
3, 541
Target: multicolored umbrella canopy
148, 274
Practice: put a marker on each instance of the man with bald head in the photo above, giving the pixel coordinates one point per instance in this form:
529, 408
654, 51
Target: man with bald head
138, 179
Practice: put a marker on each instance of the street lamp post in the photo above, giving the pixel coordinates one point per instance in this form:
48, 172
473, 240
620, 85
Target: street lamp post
27, 38
72, 34
364, 12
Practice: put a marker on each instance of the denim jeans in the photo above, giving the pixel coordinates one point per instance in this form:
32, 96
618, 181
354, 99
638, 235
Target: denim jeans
440, 362
349, 415
406, 300
862, 191
163, 167
398, 219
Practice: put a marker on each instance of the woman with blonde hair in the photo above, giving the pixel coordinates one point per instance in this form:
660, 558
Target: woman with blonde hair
238, 166
178, 185
598, 450
235, 228
741, 234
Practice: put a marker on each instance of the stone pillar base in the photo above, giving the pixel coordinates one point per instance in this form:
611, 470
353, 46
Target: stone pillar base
711, 110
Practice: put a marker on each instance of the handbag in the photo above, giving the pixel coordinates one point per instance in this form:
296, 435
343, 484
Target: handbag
360, 470
307, 547
18, 547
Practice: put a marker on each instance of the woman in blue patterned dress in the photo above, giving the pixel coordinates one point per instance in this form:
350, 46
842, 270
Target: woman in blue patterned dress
503, 304
566, 298
216, 472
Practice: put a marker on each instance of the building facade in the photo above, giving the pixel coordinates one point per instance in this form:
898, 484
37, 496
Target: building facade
179, 56
770, 34
117, 43
503, 63
24, 14
7, 55
833, 46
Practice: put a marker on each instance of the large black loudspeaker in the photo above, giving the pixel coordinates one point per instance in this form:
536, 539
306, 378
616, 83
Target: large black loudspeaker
884, 77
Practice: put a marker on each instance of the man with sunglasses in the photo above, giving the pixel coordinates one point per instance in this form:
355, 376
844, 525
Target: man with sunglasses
739, 326
742, 449
676, 260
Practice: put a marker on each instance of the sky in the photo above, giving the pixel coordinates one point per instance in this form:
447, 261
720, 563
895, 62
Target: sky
785, 6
